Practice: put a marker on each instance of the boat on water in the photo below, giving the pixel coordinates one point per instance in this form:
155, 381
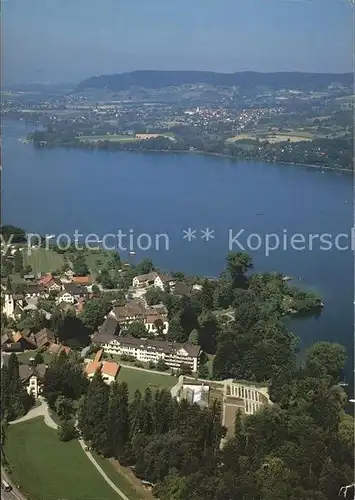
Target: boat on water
50, 236
132, 253
287, 278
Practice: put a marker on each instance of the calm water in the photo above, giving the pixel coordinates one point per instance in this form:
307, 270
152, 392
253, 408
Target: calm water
55, 191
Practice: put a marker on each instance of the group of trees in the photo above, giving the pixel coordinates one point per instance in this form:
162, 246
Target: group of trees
300, 448
153, 432
15, 402
64, 383
239, 319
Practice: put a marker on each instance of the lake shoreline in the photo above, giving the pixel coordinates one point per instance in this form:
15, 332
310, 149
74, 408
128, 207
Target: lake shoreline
202, 153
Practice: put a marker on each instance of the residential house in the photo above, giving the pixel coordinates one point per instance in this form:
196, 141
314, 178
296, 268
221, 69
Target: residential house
108, 369
144, 280
163, 280
35, 291
158, 280
58, 349
32, 377
44, 338
17, 342
51, 283
82, 280
137, 310
71, 293
172, 353
110, 326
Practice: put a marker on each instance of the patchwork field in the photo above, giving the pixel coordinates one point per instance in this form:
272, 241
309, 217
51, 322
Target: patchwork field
47, 469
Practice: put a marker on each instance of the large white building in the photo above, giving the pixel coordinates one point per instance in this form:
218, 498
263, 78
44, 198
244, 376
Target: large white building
173, 354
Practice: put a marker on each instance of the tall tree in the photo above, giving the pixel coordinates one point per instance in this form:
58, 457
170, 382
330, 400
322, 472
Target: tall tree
238, 263
93, 415
326, 358
118, 419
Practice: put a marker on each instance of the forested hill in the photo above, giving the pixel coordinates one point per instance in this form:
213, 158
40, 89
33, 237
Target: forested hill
160, 79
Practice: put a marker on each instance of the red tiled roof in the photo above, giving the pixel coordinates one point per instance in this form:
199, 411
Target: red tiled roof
45, 280
98, 356
110, 368
82, 280
92, 367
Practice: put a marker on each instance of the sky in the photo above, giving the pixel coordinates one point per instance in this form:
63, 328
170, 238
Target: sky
69, 40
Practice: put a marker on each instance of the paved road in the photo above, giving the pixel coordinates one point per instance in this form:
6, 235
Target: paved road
42, 410
15, 494
102, 472
39, 411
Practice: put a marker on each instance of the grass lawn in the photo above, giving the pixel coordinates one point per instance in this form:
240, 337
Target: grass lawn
47, 469
137, 379
43, 261
24, 357
136, 492
93, 257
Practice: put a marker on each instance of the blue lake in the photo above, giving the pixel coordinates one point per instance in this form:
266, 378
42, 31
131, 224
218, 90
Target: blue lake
58, 191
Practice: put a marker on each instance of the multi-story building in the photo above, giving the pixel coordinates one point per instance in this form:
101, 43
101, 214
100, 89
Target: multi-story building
173, 354
158, 280
155, 318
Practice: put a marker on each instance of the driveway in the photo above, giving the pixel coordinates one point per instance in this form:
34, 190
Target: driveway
39, 411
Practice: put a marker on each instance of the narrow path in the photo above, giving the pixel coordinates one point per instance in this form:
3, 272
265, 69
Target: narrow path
39, 411
43, 410
102, 472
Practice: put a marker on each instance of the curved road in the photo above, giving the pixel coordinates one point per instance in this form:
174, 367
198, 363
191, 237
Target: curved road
43, 410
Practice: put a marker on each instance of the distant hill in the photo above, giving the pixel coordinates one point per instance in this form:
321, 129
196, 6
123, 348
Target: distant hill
248, 79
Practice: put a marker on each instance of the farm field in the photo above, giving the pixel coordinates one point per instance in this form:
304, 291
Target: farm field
43, 261
137, 379
107, 137
46, 468
274, 138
